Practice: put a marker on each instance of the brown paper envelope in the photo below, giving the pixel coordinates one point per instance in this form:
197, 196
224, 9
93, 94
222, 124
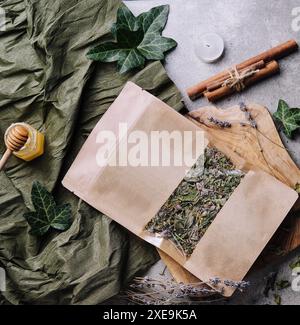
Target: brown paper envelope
133, 195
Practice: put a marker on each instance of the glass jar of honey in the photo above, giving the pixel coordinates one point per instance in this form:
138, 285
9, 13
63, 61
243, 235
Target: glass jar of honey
33, 148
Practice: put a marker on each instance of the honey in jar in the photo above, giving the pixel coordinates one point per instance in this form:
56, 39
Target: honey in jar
33, 148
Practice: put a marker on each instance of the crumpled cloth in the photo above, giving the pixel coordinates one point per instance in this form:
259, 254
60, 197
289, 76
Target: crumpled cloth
47, 81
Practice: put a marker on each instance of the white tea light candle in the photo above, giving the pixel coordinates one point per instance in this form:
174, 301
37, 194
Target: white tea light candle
209, 47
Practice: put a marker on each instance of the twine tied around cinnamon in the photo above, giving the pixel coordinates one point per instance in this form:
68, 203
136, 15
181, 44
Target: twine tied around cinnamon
237, 78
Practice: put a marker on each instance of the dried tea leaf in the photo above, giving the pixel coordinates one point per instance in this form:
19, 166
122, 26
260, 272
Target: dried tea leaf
47, 214
282, 284
270, 283
295, 264
277, 299
193, 206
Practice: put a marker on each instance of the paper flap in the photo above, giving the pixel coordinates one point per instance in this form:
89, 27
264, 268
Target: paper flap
133, 195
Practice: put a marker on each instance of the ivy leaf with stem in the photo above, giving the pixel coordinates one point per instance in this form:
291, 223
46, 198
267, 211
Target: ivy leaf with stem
47, 214
289, 118
137, 39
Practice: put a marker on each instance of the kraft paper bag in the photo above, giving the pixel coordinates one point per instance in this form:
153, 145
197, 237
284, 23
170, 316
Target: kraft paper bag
132, 195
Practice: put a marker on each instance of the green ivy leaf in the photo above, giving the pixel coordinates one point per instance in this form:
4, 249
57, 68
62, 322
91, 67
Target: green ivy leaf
155, 20
129, 60
289, 118
126, 19
47, 214
154, 46
107, 52
137, 39
128, 39
125, 51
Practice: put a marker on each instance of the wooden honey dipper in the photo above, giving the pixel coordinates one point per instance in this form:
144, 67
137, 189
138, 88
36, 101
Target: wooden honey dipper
15, 140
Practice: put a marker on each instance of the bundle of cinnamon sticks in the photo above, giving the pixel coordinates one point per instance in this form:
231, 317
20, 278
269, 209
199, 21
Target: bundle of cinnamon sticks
243, 75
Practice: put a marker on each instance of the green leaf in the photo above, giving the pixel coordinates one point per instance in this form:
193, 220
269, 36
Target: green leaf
106, 52
39, 226
129, 60
62, 220
137, 39
125, 51
126, 19
47, 214
154, 46
289, 118
129, 39
155, 20
114, 30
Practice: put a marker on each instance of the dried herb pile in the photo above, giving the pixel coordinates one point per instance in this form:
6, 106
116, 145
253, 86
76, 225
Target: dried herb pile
193, 206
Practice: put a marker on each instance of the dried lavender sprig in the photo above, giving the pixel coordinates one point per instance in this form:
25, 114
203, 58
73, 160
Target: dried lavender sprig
149, 282
251, 120
243, 107
215, 281
166, 292
221, 124
171, 285
240, 285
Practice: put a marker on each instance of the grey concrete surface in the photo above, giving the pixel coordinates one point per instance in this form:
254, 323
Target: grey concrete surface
248, 28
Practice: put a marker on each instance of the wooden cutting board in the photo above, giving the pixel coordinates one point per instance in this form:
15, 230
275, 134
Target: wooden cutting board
253, 148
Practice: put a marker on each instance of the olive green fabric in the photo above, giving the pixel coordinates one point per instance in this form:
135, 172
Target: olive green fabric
47, 81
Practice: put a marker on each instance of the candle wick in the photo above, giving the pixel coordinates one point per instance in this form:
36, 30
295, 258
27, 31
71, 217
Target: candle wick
207, 45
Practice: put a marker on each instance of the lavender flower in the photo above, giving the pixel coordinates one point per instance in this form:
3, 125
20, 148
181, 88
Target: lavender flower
240, 285
221, 124
243, 107
215, 281
248, 115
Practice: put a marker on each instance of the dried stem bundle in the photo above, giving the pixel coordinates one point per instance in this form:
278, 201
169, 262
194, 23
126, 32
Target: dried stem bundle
147, 291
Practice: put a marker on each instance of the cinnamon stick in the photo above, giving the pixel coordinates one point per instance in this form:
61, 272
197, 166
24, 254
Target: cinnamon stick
217, 84
275, 53
270, 69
